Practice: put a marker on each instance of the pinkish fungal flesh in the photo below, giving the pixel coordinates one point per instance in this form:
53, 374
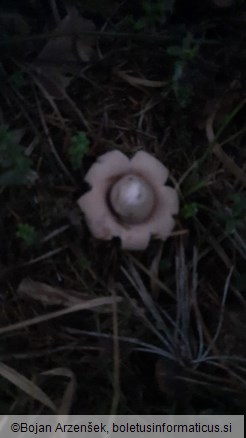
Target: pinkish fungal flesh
129, 199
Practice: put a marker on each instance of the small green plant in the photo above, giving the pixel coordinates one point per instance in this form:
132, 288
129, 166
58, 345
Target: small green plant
190, 210
17, 79
78, 149
27, 234
15, 167
155, 14
236, 219
83, 263
184, 54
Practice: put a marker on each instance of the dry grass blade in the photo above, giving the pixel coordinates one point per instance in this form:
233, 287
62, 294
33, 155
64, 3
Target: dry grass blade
138, 344
228, 163
238, 243
220, 386
55, 233
67, 399
154, 270
45, 256
199, 320
183, 335
221, 316
138, 82
116, 378
221, 363
50, 140
162, 333
216, 245
89, 305
26, 385
138, 283
150, 274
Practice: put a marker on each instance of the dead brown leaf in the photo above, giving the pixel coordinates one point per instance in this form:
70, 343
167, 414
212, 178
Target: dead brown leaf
223, 3
46, 294
12, 23
61, 57
52, 296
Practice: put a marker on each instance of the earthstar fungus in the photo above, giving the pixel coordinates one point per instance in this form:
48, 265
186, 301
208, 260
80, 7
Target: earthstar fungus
128, 199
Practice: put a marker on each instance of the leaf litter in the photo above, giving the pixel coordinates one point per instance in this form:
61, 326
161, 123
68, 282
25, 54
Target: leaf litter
70, 46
